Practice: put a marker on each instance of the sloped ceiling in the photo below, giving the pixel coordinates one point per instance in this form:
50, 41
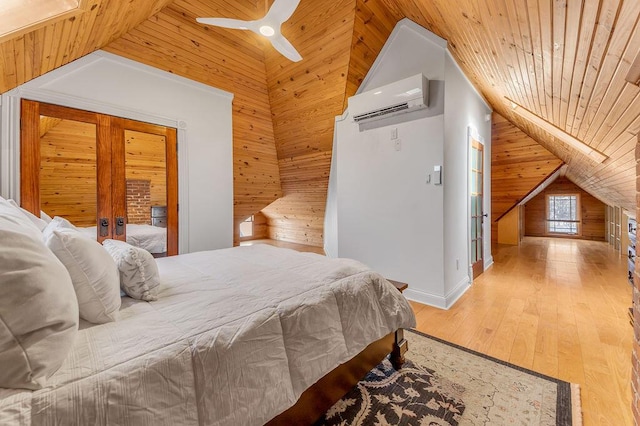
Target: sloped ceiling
518, 166
565, 61
59, 41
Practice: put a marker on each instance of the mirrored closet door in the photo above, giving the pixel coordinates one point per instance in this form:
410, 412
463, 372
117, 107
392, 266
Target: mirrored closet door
111, 177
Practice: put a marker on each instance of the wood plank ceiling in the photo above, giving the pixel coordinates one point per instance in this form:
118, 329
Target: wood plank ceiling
60, 41
565, 61
518, 165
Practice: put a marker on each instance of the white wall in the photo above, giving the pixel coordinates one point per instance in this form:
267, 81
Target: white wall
464, 111
387, 215
409, 50
110, 84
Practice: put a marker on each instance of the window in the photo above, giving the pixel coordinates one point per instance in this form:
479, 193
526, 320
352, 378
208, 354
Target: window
246, 228
563, 215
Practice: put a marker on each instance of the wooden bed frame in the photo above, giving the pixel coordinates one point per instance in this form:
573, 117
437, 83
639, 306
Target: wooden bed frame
316, 400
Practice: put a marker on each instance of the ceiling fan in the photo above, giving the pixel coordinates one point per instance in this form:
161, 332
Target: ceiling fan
269, 26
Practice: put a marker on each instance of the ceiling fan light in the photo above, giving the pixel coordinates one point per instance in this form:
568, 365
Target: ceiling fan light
267, 31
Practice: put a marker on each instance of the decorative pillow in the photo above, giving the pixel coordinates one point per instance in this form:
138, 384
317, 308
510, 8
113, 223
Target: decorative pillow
39, 223
93, 273
38, 307
139, 277
14, 218
57, 223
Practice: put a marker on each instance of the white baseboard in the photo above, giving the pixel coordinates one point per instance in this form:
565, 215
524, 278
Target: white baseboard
425, 298
438, 301
455, 294
488, 263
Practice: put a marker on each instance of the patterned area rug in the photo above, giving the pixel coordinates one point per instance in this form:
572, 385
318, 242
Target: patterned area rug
443, 384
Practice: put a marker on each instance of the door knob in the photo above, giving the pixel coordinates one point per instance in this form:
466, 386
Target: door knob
104, 227
120, 225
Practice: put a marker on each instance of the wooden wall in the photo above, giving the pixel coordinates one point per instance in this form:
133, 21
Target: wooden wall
592, 211
509, 227
339, 43
518, 165
231, 60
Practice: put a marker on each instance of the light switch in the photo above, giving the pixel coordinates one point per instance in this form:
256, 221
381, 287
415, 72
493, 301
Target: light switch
394, 133
437, 175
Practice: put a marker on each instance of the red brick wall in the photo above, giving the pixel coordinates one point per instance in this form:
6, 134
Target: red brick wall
139, 202
635, 379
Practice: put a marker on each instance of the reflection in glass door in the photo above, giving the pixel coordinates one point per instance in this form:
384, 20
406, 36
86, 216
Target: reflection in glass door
476, 174
146, 188
88, 167
68, 170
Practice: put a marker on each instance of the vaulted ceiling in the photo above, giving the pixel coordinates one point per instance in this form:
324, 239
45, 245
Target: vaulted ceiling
564, 61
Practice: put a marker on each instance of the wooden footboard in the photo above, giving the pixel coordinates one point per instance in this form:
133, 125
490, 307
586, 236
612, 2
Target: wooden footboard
316, 400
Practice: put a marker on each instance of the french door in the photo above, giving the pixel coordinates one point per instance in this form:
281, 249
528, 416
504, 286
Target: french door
476, 173
98, 170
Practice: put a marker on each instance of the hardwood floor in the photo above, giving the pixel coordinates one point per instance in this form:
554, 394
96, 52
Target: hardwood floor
556, 306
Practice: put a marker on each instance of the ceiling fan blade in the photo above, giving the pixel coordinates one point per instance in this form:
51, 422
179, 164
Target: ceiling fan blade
226, 23
282, 45
281, 11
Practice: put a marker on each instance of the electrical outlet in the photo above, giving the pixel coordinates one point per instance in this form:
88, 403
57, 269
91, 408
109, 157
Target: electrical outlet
398, 145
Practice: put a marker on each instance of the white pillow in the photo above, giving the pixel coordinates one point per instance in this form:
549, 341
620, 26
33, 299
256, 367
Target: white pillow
45, 217
17, 221
39, 223
38, 307
93, 273
139, 277
57, 223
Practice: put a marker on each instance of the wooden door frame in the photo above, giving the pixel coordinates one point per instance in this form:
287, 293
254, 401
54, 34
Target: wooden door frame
472, 135
109, 128
171, 140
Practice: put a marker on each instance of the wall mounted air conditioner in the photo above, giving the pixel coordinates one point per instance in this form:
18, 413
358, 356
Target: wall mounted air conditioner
403, 96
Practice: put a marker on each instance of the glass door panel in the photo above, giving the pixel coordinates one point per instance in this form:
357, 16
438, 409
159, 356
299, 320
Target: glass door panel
146, 189
68, 170
476, 195
76, 164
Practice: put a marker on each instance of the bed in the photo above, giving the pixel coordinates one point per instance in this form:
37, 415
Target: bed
151, 238
239, 336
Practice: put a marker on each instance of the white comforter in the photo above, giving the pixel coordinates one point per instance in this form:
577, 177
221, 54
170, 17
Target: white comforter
235, 337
